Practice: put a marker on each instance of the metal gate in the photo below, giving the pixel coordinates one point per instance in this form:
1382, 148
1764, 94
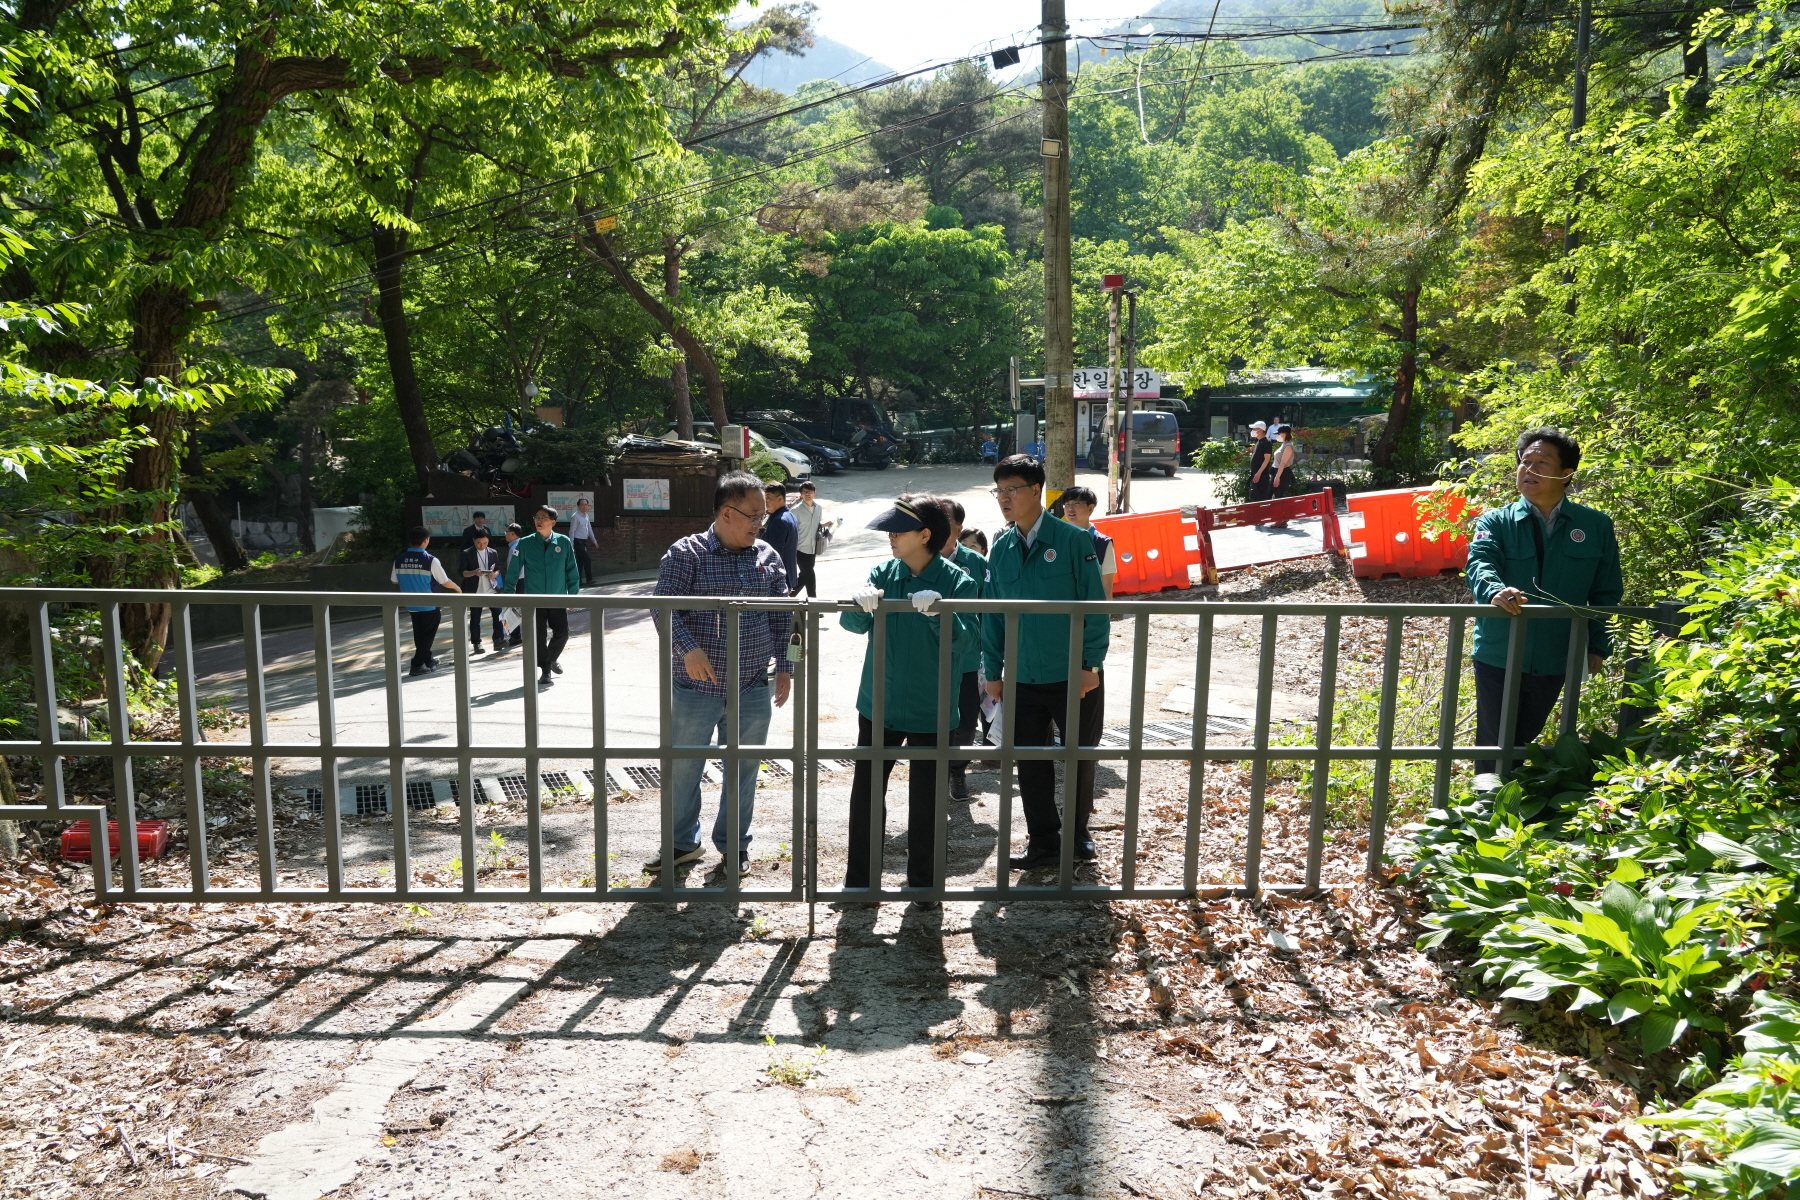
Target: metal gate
802, 759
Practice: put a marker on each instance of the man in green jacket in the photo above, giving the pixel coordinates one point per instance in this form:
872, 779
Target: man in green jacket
1542, 549
917, 527
1039, 557
968, 659
543, 564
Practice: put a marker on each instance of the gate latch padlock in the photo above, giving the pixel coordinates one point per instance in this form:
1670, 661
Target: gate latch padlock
794, 652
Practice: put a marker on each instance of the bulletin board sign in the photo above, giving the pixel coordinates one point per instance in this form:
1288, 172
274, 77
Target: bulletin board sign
646, 495
564, 502
446, 520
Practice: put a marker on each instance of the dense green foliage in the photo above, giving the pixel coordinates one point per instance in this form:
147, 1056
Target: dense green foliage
1652, 882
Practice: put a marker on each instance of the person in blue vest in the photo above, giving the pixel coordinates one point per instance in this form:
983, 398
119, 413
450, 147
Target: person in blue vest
1039, 557
543, 564
1542, 549
968, 660
918, 528
416, 569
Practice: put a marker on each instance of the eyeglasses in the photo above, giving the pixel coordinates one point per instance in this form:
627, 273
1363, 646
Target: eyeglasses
761, 518
1003, 493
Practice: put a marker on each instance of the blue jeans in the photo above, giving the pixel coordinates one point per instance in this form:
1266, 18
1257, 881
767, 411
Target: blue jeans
699, 720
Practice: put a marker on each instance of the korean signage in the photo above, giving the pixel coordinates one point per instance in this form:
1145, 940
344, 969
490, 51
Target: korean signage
646, 495
446, 520
564, 502
1091, 383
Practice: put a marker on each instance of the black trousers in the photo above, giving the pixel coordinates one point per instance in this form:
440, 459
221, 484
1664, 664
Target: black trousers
921, 806
552, 635
808, 583
1039, 708
968, 709
475, 628
1537, 696
425, 627
585, 562
1264, 488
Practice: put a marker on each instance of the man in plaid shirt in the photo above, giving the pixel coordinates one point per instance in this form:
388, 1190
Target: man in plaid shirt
726, 560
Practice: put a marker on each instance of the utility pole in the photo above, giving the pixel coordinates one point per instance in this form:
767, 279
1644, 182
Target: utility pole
1584, 20
1130, 397
1059, 300
1109, 429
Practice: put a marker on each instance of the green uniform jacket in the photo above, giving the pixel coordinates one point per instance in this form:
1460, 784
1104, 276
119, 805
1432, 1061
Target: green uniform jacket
912, 644
971, 561
544, 566
1580, 567
1061, 565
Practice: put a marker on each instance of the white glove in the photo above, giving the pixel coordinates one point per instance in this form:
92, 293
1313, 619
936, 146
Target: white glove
922, 601
868, 596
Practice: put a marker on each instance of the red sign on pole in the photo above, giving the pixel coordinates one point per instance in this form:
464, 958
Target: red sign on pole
1112, 283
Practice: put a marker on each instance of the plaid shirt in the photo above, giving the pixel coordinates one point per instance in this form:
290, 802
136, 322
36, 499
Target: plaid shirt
701, 565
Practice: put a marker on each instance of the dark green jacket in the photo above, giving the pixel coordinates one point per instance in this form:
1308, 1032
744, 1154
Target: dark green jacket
976, 566
1580, 568
544, 566
1062, 565
912, 644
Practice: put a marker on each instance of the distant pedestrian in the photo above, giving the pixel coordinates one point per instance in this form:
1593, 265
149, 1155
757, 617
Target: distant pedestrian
1544, 549
581, 532
1079, 505
416, 570
1039, 557
968, 660
1281, 463
478, 525
783, 532
1262, 482
918, 529
728, 559
509, 565
809, 515
544, 565
481, 571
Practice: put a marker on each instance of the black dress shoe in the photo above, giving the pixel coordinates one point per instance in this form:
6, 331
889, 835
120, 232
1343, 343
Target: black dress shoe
1084, 850
1035, 856
959, 786
557, 667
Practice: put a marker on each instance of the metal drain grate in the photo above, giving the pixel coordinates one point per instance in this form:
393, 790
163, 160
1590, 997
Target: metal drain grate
648, 778
558, 781
612, 785
420, 794
513, 787
315, 800
370, 798
778, 769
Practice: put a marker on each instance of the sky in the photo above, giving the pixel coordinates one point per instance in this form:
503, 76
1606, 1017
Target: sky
917, 32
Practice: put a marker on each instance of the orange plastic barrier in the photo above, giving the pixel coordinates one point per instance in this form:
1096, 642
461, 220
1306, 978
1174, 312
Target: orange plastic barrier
1264, 512
1390, 541
1151, 549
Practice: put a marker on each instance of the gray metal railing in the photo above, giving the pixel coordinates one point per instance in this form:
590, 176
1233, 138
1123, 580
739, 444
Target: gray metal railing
806, 750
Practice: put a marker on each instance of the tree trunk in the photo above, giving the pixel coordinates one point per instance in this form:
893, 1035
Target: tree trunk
682, 397
695, 349
230, 552
308, 541
1696, 68
1405, 377
390, 262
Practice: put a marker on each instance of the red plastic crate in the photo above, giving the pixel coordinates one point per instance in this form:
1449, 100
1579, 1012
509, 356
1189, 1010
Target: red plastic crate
152, 840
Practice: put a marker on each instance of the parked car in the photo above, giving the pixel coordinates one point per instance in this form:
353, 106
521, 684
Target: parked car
829, 457
1155, 444
796, 464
